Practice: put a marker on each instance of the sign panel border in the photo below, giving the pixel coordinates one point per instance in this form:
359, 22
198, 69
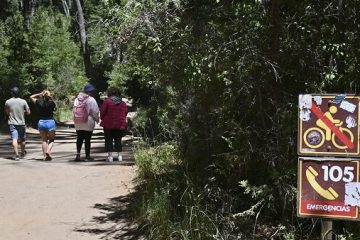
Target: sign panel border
299, 186
300, 146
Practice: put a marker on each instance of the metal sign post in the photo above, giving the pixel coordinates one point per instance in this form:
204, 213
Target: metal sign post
326, 229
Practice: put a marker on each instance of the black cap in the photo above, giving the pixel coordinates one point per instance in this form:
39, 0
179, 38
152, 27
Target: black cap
15, 91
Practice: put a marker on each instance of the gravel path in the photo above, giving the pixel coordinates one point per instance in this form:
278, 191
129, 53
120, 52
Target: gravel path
63, 199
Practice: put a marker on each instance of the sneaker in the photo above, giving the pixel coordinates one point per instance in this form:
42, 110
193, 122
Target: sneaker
17, 158
120, 158
109, 159
22, 155
77, 158
48, 157
87, 159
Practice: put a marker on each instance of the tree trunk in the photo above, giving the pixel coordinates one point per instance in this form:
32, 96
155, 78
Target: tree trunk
275, 28
84, 42
66, 8
69, 3
28, 7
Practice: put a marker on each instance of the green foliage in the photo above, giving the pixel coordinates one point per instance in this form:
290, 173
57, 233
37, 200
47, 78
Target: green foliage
4, 54
217, 79
224, 77
11, 67
162, 180
55, 58
153, 161
14, 32
41, 57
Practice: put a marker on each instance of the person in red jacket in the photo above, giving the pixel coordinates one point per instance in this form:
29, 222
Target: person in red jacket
113, 113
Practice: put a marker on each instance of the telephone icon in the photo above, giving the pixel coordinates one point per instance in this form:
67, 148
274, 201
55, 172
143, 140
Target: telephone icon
329, 193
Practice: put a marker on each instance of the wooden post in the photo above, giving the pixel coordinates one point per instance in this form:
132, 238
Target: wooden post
326, 229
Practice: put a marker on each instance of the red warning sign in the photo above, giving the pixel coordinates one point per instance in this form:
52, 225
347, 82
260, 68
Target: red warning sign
328, 125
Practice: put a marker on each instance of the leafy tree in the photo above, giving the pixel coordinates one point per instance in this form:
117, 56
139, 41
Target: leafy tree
55, 60
217, 79
223, 78
42, 57
84, 40
4, 65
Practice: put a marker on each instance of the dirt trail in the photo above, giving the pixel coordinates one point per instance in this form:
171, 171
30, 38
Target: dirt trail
63, 199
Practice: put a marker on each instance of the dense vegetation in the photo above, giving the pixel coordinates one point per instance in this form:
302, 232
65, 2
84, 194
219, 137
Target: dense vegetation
216, 85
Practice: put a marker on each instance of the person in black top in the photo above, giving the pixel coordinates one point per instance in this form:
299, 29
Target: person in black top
46, 125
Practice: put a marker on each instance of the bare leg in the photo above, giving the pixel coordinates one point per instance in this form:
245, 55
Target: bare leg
22, 145
15, 146
51, 137
44, 142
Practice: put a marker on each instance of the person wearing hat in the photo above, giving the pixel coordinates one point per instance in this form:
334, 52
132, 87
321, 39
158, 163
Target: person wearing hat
15, 110
46, 125
85, 128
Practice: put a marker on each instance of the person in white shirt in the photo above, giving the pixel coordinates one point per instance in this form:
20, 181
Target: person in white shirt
15, 110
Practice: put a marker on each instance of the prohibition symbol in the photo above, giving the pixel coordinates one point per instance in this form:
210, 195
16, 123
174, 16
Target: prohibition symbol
329, 125
319, 137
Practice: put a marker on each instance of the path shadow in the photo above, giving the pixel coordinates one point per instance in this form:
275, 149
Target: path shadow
117, 220
98, 153
6, 149
65, 148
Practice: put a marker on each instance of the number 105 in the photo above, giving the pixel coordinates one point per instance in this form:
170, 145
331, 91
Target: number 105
336, 173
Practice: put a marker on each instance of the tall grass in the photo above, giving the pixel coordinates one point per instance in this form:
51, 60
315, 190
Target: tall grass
170, 205
189, 193
154, 161
176, 203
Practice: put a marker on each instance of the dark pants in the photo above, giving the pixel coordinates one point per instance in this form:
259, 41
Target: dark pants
113, 137
81, 136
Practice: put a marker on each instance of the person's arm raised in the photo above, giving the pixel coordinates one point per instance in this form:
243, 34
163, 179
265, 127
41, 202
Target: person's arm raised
34, 97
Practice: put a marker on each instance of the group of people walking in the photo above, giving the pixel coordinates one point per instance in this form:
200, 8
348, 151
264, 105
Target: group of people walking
86, 113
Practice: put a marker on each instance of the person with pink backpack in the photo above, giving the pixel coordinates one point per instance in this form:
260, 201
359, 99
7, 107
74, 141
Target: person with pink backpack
85, 115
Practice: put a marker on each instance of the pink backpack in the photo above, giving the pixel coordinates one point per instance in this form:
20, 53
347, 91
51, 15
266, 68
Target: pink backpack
80, 113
